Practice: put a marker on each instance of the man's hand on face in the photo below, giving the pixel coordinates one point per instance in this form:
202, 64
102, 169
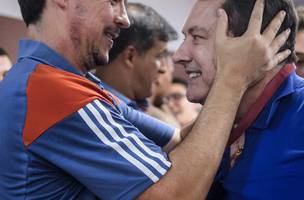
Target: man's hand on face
245, 60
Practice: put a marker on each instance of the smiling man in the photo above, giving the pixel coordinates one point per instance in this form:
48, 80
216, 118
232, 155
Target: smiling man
265, 152
62, 137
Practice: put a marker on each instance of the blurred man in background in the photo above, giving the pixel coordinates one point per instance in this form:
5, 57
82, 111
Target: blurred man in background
136, 56
158, 107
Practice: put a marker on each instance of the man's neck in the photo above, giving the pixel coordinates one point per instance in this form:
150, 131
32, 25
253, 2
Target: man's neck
254, 92
61, 44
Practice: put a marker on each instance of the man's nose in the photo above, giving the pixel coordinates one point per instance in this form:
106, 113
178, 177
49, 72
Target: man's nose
182, 55
122, 18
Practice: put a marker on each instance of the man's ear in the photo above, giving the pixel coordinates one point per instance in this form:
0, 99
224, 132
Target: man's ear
129, 56
61, 3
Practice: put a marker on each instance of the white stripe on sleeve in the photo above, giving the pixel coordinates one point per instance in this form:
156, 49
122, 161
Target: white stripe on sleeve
125, 140
116, 146
138, 141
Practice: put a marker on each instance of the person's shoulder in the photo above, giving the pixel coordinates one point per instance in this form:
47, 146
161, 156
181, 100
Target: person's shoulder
50, 83
54, 94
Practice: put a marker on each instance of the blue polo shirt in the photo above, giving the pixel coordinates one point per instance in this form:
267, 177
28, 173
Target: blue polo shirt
272, 162
62, 137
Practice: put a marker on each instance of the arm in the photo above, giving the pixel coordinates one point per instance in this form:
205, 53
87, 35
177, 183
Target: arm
195, 160
178, 136
159, 132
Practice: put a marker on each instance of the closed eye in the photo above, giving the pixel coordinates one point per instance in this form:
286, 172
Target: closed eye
197, 37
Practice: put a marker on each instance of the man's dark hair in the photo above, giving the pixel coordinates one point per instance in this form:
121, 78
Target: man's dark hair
31, 10
239, 12
300, 12
3, 52
146, 26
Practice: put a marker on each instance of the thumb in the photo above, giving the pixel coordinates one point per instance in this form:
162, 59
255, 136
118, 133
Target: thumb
222, 25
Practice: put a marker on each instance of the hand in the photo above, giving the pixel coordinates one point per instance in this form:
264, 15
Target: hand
245, 60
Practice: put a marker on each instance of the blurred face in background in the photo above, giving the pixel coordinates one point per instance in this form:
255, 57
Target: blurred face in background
177, 98
163, 83
5, 65
182, 109
147, 68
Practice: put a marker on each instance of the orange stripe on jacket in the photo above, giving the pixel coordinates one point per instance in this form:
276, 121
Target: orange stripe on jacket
52, 95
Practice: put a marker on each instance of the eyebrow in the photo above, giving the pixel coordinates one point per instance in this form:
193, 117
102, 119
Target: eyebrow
199, 29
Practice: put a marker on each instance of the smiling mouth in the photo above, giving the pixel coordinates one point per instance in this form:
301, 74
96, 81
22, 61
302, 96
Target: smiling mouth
111, 36
112, 33
193, 75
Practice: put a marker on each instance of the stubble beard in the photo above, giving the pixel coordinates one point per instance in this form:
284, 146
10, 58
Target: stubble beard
89, 56
87, 52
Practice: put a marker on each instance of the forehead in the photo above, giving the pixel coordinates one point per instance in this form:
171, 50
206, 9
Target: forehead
203, 15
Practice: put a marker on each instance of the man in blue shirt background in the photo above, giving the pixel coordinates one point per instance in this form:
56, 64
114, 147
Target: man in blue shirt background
136, 56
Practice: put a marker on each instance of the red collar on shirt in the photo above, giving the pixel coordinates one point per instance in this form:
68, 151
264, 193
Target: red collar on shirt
260, 103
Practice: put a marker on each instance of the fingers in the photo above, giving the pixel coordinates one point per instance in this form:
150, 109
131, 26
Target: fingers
222, 25
256, 18
279, 41
278, 58
272, 30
